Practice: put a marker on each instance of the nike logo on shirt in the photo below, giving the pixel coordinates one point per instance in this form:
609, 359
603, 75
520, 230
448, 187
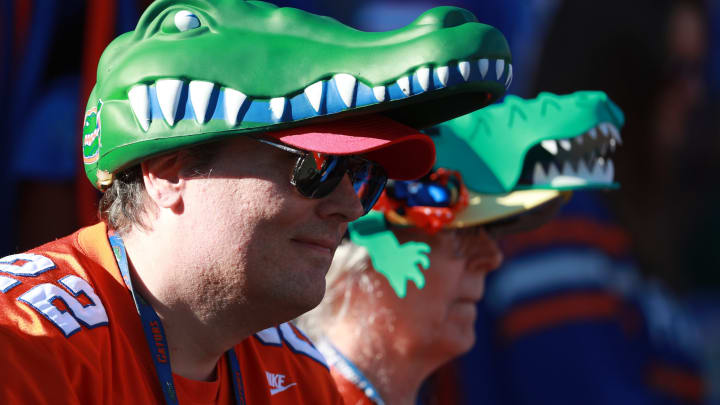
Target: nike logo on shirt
277, 383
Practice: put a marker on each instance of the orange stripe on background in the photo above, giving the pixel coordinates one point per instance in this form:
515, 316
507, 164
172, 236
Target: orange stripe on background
610, 238
445, 386
553, 311
676, 382
22, 18
99, 31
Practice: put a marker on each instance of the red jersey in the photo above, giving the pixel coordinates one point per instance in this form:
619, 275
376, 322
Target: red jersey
71, 334
351, 393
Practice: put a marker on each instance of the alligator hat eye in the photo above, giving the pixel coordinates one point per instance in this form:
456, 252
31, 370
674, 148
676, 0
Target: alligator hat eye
186, 20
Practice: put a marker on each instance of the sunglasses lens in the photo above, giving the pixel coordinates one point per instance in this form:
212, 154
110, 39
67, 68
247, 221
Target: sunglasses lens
368, 179
317, 182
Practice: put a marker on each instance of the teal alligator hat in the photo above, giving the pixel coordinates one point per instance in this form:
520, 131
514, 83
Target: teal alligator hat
494, 164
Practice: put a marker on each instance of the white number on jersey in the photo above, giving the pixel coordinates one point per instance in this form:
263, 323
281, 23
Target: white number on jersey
276, 335
42, 297
26, 265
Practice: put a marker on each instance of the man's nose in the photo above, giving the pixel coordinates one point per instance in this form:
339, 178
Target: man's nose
342, 203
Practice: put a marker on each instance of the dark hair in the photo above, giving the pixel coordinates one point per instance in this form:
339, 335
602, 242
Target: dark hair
124, 204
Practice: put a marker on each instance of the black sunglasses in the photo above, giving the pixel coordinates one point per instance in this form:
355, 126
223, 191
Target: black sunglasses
316, 174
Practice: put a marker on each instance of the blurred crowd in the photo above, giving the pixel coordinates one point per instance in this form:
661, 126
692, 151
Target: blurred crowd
647, 254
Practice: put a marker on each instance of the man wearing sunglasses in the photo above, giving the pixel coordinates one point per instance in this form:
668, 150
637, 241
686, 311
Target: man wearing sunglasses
228, 181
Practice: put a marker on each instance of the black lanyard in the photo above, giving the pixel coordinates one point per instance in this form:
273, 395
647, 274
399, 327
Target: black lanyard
155, 336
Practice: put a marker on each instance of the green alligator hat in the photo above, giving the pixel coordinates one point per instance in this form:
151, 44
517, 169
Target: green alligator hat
524, 153
513, 157
194, 71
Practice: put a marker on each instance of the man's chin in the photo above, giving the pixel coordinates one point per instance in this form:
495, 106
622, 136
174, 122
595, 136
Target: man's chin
305, 302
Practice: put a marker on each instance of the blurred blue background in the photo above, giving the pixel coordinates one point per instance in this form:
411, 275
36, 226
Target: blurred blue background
648, 252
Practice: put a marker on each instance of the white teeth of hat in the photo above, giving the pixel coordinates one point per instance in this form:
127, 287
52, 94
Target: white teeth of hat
140, 103
379, 92
346, 87
499, 68
168, 92
539, 176
168, 95
615, 133
277, 106
552, 171
464, 68
200, 92
605, 128
602, 173
443, 74
565, 144
598, 173
423, 76
233, 101
583, 170
613, 144
593, 133
579, 139
314, 94
550, 146
404, 84
509, 79
484, 66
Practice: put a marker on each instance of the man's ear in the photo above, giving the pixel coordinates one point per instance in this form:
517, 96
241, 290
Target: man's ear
163, 181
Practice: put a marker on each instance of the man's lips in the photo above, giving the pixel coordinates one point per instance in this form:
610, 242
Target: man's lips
317, 243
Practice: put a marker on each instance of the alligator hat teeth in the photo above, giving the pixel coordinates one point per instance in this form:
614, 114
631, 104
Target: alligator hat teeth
539, 176
423, 76
464, 68
140, 104
200, 92
610, 171
578, 139
615, 133
499, 68
443, 74
565, 144
484, 66
509, 79
613, 144
604, 129
379, 92
233, 101
346, 87
552, 171
550, 146
277, 106
404, 84
168, 95
593, 133
203, 101
598, 171
314, 93
583, 170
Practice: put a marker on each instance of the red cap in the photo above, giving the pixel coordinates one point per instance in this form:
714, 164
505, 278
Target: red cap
404, 152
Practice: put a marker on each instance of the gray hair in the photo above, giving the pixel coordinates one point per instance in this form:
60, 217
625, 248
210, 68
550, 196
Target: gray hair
351, 272
349, 267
